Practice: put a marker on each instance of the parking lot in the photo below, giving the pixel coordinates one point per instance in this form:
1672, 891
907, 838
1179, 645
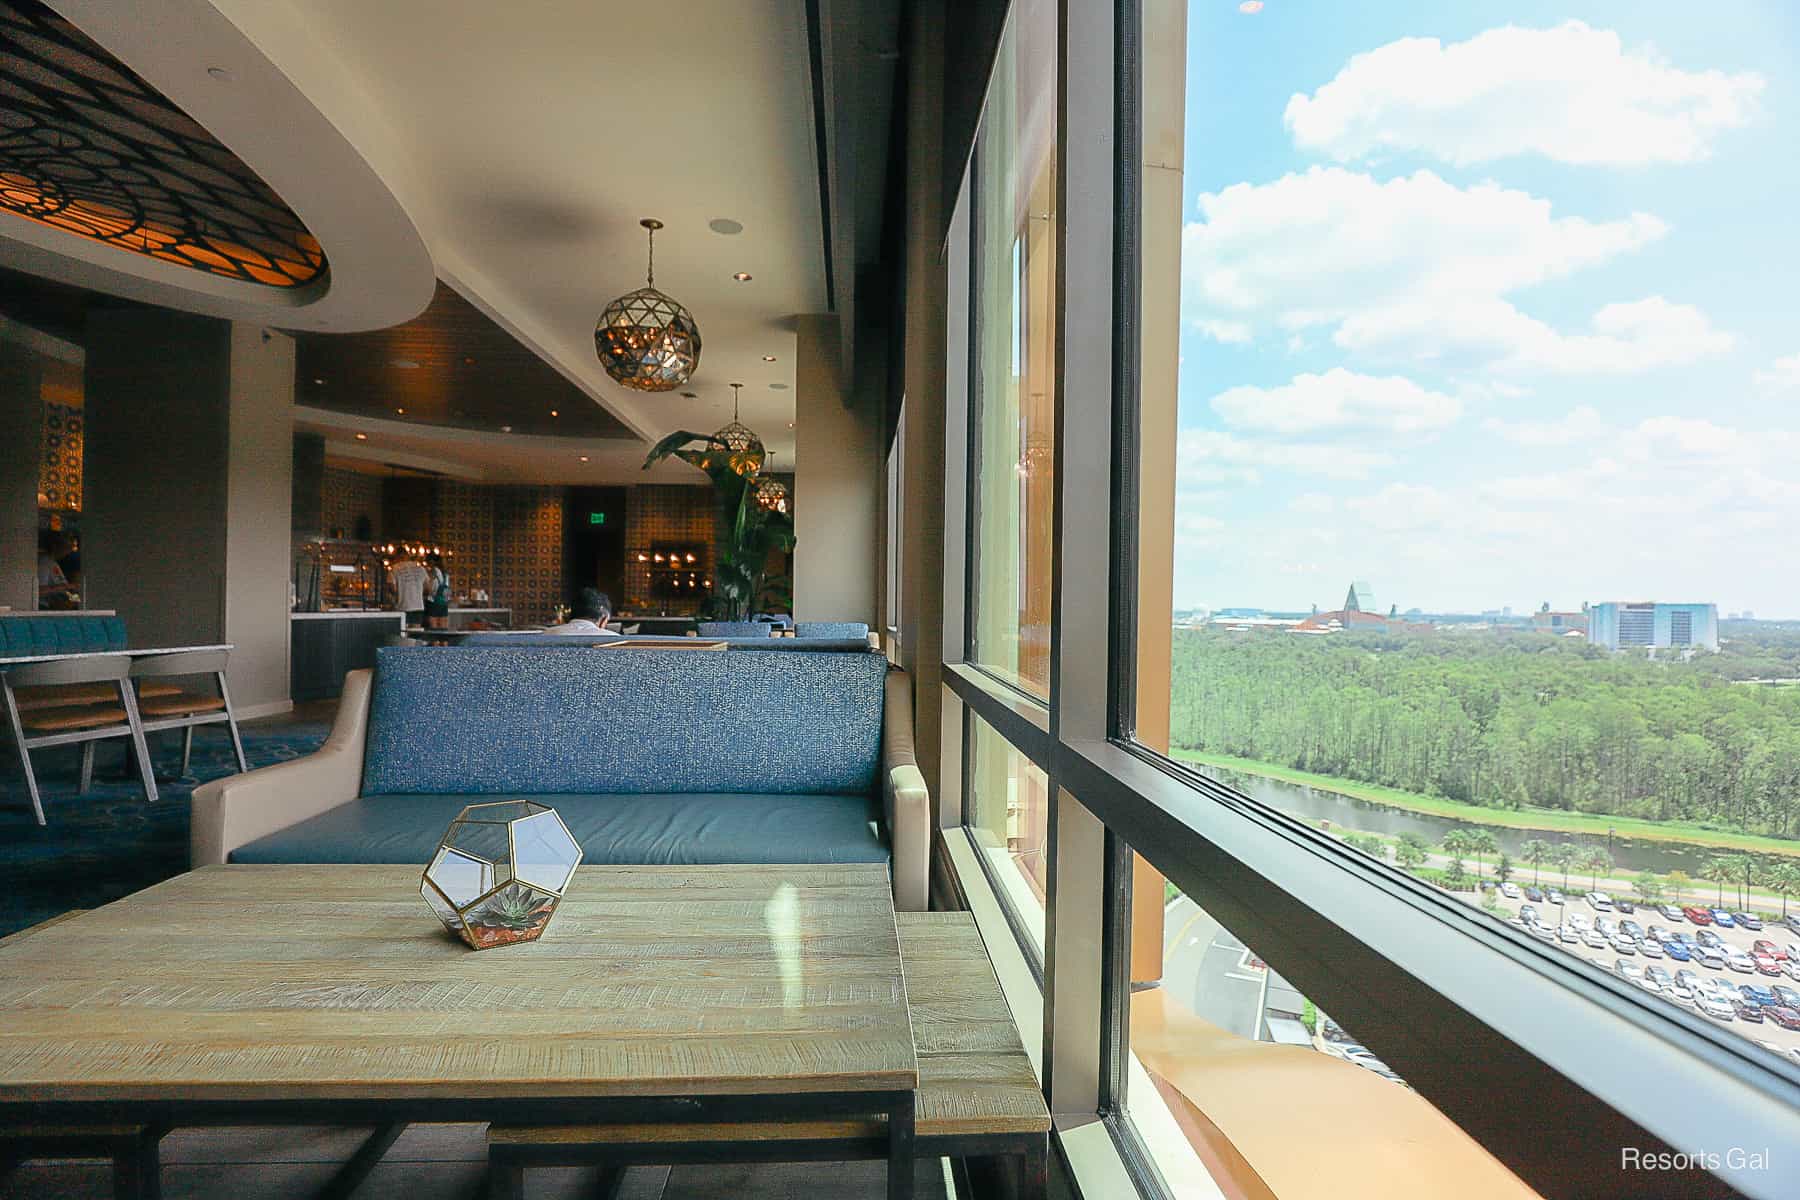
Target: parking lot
1766, 1033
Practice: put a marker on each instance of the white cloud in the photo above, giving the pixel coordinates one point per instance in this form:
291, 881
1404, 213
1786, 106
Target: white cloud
1782, 375
1338, 399
1210, 456
1573, 93
1231, 332
1417, 269
1194, 530
1579, 425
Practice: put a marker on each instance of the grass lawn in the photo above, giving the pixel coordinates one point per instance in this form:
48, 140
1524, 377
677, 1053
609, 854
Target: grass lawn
1528, 818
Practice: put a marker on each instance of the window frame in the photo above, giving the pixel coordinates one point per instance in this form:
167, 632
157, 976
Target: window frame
1458, 1003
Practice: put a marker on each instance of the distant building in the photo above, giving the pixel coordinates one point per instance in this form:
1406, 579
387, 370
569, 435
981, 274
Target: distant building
1619, 624
1360, 598
1546, 621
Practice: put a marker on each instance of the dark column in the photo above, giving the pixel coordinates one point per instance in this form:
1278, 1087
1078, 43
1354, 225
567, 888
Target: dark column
21, 445
309, 485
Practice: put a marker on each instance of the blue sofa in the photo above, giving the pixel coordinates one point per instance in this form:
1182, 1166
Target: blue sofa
29, 633
543, 641
651, 756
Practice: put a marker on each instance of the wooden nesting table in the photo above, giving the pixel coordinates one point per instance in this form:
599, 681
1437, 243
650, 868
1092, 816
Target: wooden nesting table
329, 995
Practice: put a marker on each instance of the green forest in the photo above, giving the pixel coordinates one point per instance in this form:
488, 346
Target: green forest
1511, 719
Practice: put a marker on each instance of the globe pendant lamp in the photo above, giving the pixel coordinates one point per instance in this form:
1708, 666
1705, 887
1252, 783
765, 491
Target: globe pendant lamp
771, 493
744, 448
646, 340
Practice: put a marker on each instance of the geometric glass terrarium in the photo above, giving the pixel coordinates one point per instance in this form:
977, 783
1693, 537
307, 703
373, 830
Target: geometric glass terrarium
500, 872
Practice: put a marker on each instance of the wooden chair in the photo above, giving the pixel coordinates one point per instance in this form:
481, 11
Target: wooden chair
68, 724
185, 709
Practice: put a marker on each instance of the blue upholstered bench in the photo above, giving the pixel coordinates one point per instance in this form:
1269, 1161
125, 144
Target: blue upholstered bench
29, 633
650, 756
553, 641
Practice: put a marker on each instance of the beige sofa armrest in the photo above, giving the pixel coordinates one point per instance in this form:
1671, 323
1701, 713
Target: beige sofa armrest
241, 808
908, 803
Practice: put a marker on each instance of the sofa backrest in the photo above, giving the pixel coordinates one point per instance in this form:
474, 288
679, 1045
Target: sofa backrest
483, 720
832, 629
29, 633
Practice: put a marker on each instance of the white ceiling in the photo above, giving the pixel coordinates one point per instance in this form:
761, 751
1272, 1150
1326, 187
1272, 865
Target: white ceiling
526, 141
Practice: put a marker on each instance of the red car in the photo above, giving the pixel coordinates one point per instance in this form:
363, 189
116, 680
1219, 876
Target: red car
1765, 965
1698, 916
1783, 1016
1765, 946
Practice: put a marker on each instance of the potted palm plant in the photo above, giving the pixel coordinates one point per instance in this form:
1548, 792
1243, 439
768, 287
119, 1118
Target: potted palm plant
748, 533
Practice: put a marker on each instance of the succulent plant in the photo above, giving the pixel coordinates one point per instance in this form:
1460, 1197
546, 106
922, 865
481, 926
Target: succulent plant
513, 908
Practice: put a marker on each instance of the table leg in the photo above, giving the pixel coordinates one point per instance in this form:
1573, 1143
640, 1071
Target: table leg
900, 1149
1034, 1170
506, 1181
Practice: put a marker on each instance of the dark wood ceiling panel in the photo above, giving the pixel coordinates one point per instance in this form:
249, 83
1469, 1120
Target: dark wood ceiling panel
467, 372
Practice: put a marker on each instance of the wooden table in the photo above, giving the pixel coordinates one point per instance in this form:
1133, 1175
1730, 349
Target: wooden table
330, 995
7, 660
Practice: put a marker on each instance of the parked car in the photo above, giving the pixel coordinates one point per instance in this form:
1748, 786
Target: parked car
1792, 921
1722, 919
1623, 944
1623, 905
1650, 948
1749, 921
1716, 1008
1766, 965
1755, 993
1793, 950
1698, 916
1708, 956
1749, 1012
1632, 928
1678, 951
1791, 968
1737, 960
1568, 935
1595, 939
1510, 890
1671, 911
1553, 896
1536, 894
1765, 946
1682, 936
1656, 932
1783, 1016
1785, 995
1627, 970
1539, 929
1578, 920
1661, 974
1707, 937
1528, 912
1599, 901
1688, 979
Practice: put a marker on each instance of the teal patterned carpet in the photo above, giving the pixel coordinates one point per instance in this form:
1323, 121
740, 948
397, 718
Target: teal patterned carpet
109, 843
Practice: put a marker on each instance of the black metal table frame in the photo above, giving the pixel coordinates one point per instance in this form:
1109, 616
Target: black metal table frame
390, 1116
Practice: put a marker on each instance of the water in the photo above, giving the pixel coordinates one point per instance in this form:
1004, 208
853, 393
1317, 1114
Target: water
1364, 816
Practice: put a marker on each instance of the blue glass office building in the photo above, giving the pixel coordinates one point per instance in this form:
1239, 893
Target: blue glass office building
1620, 624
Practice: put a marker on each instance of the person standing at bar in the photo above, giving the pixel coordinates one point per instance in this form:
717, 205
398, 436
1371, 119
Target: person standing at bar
437, 593
54, 588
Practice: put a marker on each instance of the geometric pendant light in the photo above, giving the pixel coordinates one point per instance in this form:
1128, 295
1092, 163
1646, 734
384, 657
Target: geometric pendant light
646, 340
771, 493
740, 442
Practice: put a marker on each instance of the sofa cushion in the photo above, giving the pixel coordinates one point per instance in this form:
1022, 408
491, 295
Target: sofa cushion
832, 629
489, 720
26, 634
666, 828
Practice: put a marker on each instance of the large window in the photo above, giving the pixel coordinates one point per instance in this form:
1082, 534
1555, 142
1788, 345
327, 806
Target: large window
1008, 812
1014, 331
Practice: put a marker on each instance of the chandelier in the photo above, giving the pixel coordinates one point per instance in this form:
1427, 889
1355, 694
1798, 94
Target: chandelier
646, 340
740, 443
771, 493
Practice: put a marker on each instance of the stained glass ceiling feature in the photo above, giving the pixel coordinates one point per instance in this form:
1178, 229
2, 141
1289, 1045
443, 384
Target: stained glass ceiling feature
88, 147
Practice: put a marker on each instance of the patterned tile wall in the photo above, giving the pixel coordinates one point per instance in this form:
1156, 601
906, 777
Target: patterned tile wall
347, 495
59, 469
658, 515
528, 571
462, 520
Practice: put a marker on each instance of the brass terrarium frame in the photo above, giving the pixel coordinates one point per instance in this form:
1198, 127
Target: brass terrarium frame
510, 907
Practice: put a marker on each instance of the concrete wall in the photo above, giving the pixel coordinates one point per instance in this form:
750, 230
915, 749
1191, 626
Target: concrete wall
839, 479
21, 430
259, 516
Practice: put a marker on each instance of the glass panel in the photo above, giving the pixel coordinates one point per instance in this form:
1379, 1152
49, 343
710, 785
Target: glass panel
1013, 394
1008, 816
1461, 420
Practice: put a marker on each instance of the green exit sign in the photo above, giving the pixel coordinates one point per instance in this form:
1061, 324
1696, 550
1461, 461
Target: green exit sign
596, 518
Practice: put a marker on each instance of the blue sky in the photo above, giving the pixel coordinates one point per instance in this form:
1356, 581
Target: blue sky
1490, 304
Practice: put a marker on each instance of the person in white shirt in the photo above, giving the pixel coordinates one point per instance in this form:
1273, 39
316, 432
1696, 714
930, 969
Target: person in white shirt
592, 610
409, 576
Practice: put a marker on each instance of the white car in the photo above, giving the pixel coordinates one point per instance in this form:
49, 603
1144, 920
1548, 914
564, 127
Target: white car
1599, 902
1718, 1009
1510, 891
1594, 939
1650, 948
1737, 960
1579, 921
1568, 935
1623, 944
1630, 971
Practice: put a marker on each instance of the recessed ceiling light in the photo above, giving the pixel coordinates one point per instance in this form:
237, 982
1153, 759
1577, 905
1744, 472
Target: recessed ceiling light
318, 383
362, 437
506, 429
554, 413
401, 411
405, 364
741, 276
790, 424
584, 458
768, 358
778, 387
468, 360
724, 225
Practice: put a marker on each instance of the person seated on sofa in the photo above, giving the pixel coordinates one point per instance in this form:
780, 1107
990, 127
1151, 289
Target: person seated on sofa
593, 609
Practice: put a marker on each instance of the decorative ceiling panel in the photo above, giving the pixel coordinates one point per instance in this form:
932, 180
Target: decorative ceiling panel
88, 147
